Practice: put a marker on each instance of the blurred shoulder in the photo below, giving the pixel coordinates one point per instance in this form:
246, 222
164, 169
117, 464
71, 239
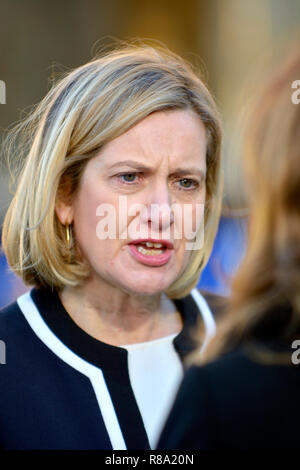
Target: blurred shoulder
239, 369
223, 365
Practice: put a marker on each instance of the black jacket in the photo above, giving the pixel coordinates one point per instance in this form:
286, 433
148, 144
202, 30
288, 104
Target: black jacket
61, 388
237, 403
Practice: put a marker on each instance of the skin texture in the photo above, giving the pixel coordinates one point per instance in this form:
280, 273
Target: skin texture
122, 300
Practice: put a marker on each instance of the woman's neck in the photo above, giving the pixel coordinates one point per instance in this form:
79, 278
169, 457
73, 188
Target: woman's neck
116, 317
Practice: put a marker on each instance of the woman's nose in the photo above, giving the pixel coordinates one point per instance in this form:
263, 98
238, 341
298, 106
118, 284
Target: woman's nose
158, 211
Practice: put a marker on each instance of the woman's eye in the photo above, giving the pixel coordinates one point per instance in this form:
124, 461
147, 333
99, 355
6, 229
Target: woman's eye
187, 183
128, 177
134, 178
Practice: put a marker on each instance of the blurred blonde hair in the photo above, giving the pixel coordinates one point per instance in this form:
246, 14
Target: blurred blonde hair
87, 108
267, 286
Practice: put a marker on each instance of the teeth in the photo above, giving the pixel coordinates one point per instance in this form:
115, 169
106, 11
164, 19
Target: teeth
149, 252
153, 245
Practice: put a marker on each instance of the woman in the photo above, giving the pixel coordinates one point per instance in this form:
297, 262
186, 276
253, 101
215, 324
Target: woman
244, 391
115, 153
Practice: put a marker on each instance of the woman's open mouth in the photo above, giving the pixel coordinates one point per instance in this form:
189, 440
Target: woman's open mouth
150, 252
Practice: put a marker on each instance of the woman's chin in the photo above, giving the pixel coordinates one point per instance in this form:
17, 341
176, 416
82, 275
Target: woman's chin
148, 287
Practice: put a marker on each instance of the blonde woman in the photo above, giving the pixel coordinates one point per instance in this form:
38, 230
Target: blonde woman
95, 350
243, 393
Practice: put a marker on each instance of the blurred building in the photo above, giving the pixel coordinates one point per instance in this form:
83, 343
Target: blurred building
234, 42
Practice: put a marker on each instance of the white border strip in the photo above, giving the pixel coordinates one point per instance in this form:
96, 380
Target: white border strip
95, 375
208, 319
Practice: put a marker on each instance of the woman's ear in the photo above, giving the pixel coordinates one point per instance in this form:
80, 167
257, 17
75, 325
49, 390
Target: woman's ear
64, 203
64, 212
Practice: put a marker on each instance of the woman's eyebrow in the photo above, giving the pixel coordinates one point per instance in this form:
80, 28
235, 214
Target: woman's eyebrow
130, 163
194, 170
177, 171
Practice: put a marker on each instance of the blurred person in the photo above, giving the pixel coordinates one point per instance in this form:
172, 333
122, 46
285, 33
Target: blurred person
95, 350
243, 391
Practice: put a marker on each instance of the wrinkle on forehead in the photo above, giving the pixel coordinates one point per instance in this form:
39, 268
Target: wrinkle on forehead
162, 138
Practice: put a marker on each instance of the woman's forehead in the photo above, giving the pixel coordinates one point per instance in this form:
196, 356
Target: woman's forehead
174, 136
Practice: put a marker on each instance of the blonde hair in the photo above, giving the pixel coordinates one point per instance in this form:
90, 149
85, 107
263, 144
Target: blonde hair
87, 108
265, 302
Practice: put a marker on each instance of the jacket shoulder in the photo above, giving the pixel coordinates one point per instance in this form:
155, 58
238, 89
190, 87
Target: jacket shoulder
10, 317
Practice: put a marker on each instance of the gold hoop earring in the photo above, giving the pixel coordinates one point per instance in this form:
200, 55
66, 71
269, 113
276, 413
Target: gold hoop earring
69, 241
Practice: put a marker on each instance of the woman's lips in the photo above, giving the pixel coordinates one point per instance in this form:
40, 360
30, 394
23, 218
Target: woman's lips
151, 259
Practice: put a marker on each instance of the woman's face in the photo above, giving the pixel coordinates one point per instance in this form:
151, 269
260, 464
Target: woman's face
159, 162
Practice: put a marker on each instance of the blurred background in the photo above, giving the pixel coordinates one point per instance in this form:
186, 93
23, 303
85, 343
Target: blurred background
236, 44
